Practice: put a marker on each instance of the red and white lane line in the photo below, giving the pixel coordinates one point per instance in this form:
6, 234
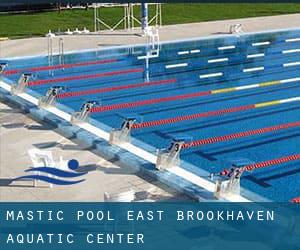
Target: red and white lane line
238, 135
82, 77
65, 66
116, 88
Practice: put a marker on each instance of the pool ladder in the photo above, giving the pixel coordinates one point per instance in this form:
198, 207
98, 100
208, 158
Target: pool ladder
61, 53
50, 53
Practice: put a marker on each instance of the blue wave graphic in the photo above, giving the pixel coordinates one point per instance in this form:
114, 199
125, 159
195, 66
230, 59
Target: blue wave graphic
56, 172
48, 179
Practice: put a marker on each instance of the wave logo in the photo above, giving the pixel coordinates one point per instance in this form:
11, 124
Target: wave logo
54, 175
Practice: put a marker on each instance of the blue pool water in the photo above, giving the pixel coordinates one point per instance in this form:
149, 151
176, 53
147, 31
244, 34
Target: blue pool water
237, 61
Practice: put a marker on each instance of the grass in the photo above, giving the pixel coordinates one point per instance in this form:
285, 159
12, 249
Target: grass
38, 24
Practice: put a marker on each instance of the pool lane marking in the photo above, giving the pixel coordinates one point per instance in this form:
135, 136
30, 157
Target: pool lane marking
238, 135
290, 51
194, 51
176, 119
187, 96
210, 75
253, 69
178, 65
147, 56
292, 40
256, 55
226, 47
65, 66
150, 157
186, 52
225, 59
116, 88
291, 64
261, 44
80, 77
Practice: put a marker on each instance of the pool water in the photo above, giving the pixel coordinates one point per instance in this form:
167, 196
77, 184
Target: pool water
193, 77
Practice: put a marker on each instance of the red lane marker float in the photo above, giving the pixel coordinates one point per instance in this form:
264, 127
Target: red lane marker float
265, 164
148, 102
110, 89
240, 135
191, 117
65, 66
71, 78
271, 162
296, 200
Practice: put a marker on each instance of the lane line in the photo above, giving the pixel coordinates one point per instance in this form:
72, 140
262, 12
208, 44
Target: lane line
176, 119
65, 66
81, 77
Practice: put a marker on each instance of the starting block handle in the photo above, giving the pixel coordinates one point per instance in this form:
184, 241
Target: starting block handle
122, 135
169, 157
22, 83
50, 97
84, 113
3, 65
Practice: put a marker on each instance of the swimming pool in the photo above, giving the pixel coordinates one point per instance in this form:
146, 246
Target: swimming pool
232, 98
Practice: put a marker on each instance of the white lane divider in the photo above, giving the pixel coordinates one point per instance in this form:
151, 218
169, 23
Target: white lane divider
147, 56
194, 51
186, 52
183, 52
256, 55
226, 47
218, 60
178, 65
253, 69
291, 64
291, 40
261, 43
290, 51
211, 75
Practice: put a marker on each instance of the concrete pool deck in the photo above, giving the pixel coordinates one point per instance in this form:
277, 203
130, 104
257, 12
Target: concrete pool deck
108, 177
19, 133
38, 45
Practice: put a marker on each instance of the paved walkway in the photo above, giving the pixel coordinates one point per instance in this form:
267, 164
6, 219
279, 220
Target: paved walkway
35, 46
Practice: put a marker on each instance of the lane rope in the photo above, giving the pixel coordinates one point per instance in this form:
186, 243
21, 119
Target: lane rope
240, 135
160, 122
188, 96
111, 89
272, 162
296, 200
80, 77
65, 66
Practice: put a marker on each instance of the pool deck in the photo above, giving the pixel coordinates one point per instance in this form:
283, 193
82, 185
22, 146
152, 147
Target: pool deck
106, 176
38, 45
18, 133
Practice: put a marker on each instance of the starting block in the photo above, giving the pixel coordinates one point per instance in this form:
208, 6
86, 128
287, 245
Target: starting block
3, 65
231, 185
122, 135
170, 157
84, 113
50, 97
22, 84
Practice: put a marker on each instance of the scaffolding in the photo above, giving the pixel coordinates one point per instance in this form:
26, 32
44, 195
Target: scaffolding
129, 20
